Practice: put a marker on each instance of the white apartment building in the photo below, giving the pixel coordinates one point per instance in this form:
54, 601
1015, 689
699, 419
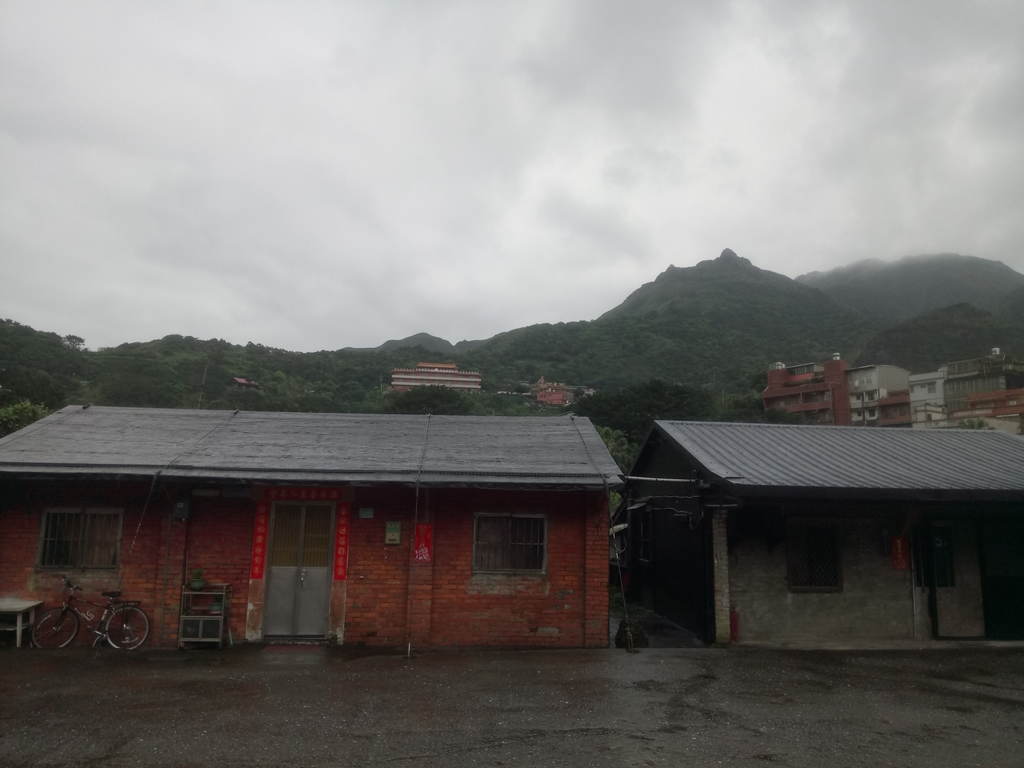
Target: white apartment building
867, 385
928, 399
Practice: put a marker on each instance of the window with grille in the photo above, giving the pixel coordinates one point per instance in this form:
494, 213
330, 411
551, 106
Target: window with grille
510, 543
80, 538
813, 554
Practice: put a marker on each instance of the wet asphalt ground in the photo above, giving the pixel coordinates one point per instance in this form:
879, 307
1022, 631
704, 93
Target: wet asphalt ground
316, 706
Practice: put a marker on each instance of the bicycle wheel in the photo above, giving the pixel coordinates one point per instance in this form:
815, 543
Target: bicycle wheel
127, 627
55, 628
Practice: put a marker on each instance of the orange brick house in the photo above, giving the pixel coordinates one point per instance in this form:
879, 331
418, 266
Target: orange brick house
346, 528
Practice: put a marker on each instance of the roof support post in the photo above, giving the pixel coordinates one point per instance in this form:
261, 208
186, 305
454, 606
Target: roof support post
720, 575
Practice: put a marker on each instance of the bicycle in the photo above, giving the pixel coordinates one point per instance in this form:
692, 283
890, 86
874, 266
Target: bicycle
122, 624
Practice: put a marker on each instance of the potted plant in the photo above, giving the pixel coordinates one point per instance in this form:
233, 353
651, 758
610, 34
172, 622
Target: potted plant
198, 582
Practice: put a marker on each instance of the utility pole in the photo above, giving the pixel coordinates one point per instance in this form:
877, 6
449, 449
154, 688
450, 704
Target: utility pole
202, 387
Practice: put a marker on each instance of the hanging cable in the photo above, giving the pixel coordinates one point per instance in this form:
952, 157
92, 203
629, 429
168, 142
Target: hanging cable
157, 474
412, 543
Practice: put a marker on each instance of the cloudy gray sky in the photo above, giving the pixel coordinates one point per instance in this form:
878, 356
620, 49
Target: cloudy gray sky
318, 175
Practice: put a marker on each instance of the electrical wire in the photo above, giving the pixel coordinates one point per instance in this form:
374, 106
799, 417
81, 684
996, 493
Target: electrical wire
412, 543
156, 475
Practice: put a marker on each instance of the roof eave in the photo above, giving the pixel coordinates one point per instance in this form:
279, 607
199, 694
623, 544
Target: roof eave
307, 477
770, 492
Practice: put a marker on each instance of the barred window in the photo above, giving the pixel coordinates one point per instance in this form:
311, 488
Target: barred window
80, 538
513, 543
813, 554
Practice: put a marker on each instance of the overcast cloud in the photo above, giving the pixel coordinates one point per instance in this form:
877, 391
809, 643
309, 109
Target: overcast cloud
321, 175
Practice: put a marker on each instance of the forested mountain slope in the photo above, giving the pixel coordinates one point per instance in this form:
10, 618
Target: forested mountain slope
899, 290
39, 365
712, 326
952, 333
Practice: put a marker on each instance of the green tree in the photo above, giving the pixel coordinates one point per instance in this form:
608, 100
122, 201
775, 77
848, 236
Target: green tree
20, 415
750, 409
619, 446
973, 424
439, 401
633, 409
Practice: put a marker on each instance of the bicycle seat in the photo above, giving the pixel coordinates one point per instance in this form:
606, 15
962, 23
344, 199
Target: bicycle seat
111, 594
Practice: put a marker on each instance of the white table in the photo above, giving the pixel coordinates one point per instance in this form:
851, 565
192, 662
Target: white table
19, 607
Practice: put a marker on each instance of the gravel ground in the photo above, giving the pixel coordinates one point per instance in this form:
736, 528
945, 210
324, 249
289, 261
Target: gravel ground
315, 706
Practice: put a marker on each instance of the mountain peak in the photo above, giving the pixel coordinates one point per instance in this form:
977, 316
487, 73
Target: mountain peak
708, 285
730, 258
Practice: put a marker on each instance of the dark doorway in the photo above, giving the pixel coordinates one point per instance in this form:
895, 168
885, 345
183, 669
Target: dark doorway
1003, 577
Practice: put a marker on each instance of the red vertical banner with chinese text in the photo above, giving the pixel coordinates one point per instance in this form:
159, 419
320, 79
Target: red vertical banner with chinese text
424, 549
259, 541
341, 543
900, 555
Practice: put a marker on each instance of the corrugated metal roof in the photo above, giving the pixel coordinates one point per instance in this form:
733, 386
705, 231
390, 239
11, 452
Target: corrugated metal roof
313, 447
773, 459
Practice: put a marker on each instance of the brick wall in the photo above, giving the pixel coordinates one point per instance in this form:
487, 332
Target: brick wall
875, 602
378, 573
835, 374
447, 604
140, 574
501, 610
220, 542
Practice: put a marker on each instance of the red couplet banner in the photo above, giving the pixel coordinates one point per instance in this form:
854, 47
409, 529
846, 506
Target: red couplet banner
287, 493
424, 549
341, 543
259, 541
900, 554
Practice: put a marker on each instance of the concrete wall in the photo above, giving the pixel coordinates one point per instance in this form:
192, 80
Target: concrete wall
891, 378
959, 608
919, 394
874, 604
721, 581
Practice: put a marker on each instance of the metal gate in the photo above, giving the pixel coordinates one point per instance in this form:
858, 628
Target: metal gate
299, 575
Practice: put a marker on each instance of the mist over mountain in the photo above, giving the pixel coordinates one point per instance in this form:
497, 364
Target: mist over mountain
941, 336
1011, 306
899, 290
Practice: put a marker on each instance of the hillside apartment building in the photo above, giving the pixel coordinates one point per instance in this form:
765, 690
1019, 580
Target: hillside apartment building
989, 389
552, 393
434, 375
832, 393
